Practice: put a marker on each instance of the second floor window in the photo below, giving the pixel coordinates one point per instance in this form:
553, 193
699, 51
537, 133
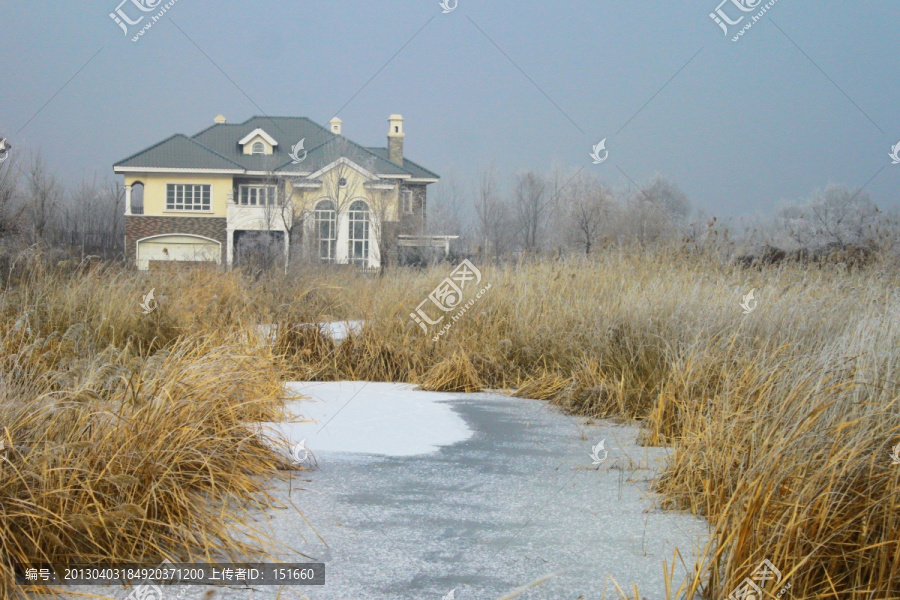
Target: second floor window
257, 195
188, 197
409, 206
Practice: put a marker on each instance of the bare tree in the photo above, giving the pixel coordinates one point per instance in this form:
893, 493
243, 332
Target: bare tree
446, 207
836, 215
44, 194
657, 211
490, 214
530, 203
589, 207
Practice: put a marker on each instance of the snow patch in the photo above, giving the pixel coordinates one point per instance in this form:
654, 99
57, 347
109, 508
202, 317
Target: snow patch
391, 419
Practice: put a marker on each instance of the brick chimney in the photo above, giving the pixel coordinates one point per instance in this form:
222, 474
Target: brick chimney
395, 139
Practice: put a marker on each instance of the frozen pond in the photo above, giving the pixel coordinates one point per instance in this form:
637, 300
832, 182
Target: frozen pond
417, 494
420, 493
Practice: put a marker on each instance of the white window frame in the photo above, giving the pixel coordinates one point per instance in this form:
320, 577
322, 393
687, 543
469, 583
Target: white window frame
193, 207
362, 218
254, 191
327, 246
260, 145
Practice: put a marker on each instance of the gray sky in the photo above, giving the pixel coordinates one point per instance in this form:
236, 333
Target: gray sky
741, 126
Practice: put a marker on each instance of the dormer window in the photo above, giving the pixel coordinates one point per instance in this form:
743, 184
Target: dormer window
258, 142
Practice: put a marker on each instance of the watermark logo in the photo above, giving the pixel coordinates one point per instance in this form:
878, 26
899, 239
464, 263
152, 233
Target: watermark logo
5, 147
299, 452
601, 147
895, 455
895, 154
595, 452
147, 590
723, 19
451, 595
448, 295
751, 587
149, 303
124, 20
295, 152
748, 303
449, 6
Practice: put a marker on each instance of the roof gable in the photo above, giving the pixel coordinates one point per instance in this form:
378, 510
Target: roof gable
258, 132
344, 161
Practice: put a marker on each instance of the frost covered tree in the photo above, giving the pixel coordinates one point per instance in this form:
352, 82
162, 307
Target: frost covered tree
834, 216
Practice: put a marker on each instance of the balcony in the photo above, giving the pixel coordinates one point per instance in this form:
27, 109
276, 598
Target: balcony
259, 218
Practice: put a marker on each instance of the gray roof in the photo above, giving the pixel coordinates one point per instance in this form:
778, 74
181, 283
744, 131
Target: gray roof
179, 152
417, 170
216, 148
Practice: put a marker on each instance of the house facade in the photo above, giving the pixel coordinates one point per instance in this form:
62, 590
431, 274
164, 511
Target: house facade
284, 182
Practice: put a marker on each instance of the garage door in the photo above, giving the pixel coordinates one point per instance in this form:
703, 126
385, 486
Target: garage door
177, 248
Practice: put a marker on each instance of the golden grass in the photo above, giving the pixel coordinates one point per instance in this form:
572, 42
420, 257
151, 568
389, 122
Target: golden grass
126, 437
782, 420
454, 374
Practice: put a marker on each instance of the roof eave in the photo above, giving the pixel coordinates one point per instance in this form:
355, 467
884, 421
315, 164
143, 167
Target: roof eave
119, 169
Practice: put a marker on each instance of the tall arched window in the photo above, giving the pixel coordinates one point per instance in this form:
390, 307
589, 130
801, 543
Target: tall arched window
359, 233
137, 198
258, 148
326, 233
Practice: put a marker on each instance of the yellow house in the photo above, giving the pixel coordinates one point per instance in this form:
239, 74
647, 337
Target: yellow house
282, 182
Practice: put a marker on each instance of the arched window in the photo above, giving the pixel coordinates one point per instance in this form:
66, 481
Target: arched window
326, 233
137, 198
258, 148
359, 233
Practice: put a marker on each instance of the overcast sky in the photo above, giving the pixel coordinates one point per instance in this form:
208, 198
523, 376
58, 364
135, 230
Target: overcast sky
809, 95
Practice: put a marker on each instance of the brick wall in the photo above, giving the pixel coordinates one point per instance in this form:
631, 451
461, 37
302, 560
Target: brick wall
139, 227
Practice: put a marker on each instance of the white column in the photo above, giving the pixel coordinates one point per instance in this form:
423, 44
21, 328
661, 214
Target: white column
374, 247
287, 247
127, 200
230, 250
342, 223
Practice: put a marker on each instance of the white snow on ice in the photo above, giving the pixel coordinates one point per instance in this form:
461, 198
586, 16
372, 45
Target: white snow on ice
390, 419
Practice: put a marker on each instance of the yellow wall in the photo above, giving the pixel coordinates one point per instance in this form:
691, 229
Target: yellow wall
248, 147
380, 202
155, 192
304, 199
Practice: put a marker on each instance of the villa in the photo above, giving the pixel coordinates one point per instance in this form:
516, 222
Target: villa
283, 182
